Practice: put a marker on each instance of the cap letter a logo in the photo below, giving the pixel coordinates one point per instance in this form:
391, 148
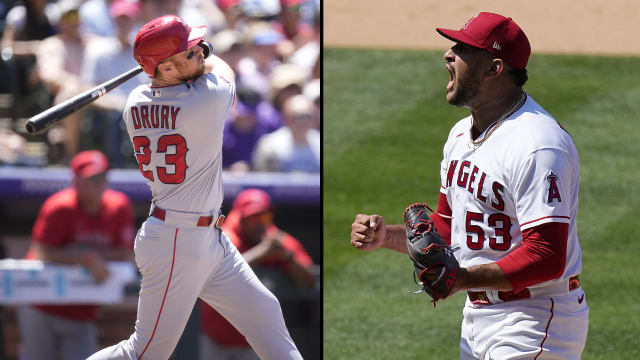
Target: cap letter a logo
469, 22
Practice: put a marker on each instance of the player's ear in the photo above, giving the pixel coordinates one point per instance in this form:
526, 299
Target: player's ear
495, 67
165, 66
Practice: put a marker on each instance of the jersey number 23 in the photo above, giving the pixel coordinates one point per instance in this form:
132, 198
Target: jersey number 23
141, 145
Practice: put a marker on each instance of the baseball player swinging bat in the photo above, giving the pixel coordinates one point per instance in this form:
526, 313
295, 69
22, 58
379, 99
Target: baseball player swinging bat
47, 118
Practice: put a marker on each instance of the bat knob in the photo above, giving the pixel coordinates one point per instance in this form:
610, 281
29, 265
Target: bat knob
31, 129
207, 48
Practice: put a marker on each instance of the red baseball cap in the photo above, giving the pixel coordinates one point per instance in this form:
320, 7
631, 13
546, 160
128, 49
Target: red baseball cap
89, 163
251, 201
129, 8
495, 33
226, 4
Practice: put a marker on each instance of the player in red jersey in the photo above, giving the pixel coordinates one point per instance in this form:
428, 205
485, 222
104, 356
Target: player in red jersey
266, 248
86, 224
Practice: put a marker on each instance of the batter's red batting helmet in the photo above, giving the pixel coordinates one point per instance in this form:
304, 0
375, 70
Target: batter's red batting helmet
162, 38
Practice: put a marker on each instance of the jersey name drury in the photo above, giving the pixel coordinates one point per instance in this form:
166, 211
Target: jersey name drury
470, 177
154, 116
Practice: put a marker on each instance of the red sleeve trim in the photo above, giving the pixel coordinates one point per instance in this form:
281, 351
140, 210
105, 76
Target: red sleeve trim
541, 257
546, 217
442, 219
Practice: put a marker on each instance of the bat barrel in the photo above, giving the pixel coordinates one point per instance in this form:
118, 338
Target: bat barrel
47, 118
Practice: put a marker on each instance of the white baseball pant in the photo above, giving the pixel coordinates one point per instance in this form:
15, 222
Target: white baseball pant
180, 263
538, 328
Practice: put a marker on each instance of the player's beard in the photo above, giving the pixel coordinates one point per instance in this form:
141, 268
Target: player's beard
196, 74
464, 91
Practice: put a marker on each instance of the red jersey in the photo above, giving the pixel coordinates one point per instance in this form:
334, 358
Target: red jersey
62, 222
214, 325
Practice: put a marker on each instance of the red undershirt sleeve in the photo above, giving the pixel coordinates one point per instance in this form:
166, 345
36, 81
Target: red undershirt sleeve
442, 219
541, 257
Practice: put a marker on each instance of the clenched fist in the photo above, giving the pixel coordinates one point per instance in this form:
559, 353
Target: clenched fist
368, 232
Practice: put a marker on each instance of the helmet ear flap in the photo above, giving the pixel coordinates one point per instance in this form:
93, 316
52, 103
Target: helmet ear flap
207, 48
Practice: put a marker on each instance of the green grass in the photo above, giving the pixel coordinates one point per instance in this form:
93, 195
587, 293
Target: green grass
385, 122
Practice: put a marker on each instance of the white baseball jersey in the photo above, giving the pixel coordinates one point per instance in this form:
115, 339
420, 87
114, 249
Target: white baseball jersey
524, 174
176, 133
177, 137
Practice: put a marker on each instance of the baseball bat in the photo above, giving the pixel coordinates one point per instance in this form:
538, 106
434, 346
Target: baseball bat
47, 118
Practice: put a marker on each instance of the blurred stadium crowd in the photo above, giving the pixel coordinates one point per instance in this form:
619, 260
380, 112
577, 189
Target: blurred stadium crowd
52, 50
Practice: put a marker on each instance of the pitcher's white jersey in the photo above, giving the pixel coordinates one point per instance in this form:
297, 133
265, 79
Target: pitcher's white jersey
176, 133
524, 174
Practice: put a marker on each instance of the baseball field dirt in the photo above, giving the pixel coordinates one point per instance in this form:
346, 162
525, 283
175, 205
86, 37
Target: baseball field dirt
604, 27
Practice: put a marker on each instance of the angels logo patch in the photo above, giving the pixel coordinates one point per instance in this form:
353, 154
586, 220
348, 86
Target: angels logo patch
553, 193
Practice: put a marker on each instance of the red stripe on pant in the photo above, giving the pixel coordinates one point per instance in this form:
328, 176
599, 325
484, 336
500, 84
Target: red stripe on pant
546, 331
173, 258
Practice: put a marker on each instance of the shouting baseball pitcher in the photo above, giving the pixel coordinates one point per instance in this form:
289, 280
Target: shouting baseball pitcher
504, 230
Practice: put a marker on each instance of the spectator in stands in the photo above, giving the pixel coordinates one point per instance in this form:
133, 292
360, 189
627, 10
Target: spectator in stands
250, 227
152, 9
188, 10
60, 61
308, 10
25, 26
263, 57
95, 19
286, 80
107, 58
229, 47
265, 112
197, 13
296, 145
13, 148
212, 13
85, 224
241, 133
307, 54
290, 25
231, 11
312, 92
260, 10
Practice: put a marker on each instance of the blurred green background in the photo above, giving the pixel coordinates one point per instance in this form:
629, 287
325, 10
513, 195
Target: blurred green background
385, 120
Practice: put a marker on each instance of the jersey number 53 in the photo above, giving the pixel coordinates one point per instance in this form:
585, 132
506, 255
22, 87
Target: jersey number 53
501, 225
141, 146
